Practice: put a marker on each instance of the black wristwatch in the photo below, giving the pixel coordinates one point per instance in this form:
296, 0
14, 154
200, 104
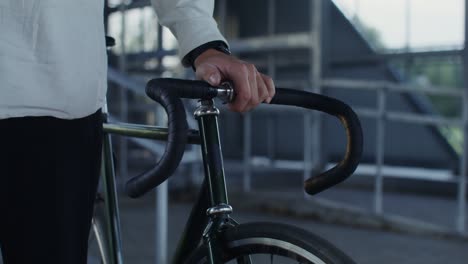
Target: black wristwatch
189, 59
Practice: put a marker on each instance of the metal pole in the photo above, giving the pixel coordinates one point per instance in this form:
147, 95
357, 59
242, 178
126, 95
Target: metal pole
271, 72
222, 13
161, 210
123, 154
160, 46
247, 120
195, 168
246, 184
380, 150
408, 25
161, 223
312, 146
461, 218
142, 29
316, 45
408, 61
271, 136
271, 32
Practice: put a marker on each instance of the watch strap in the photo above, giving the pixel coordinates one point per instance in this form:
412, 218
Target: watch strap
189, 59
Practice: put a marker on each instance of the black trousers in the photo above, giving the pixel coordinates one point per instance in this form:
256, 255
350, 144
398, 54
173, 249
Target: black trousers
49, 171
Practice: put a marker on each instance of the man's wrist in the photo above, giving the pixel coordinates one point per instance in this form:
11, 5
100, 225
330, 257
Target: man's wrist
189, 59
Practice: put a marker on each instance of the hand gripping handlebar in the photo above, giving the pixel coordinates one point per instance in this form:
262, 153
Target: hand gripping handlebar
168, 92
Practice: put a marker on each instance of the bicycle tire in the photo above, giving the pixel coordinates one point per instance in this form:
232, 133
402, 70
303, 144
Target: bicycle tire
273, 239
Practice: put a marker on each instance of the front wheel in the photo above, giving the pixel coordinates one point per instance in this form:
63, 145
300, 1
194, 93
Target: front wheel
272, 243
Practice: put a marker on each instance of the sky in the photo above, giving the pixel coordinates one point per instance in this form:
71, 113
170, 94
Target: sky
432, 23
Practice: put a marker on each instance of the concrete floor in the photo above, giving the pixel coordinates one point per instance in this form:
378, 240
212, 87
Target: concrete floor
364, 246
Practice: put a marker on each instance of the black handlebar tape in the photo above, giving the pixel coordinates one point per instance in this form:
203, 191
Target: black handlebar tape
177, 140
182, 88
351, 123
167, 91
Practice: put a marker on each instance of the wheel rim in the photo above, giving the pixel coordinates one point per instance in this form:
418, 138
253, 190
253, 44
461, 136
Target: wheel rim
279, 244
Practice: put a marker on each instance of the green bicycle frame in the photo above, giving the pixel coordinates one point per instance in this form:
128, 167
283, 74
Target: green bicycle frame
211, 211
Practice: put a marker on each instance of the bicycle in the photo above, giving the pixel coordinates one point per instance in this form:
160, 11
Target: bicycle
211, 235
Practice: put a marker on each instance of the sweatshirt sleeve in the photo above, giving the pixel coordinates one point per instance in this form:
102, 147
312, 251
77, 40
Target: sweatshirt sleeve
191, 22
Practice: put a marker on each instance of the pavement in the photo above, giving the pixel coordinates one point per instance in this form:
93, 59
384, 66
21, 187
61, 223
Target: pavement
407, 214
365, 245
346, 204
414, 229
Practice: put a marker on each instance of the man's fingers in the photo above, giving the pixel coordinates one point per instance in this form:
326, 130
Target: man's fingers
239, 75
263, 93
254, 100
270, 85
209, 73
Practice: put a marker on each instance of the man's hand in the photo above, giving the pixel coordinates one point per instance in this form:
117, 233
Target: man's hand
251, 87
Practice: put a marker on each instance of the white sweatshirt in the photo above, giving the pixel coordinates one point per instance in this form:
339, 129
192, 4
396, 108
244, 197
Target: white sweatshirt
52, 52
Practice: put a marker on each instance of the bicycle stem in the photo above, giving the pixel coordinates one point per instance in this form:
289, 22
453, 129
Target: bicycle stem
206, 115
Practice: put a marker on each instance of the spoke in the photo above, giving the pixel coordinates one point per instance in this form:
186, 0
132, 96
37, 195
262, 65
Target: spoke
271, 259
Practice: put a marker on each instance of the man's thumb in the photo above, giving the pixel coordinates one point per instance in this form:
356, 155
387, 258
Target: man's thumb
209, 74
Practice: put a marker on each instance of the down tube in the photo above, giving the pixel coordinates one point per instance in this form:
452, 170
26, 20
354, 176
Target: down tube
111, 204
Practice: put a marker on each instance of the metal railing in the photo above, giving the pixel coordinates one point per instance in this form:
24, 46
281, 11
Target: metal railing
310, 40
383, 115
312, 123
